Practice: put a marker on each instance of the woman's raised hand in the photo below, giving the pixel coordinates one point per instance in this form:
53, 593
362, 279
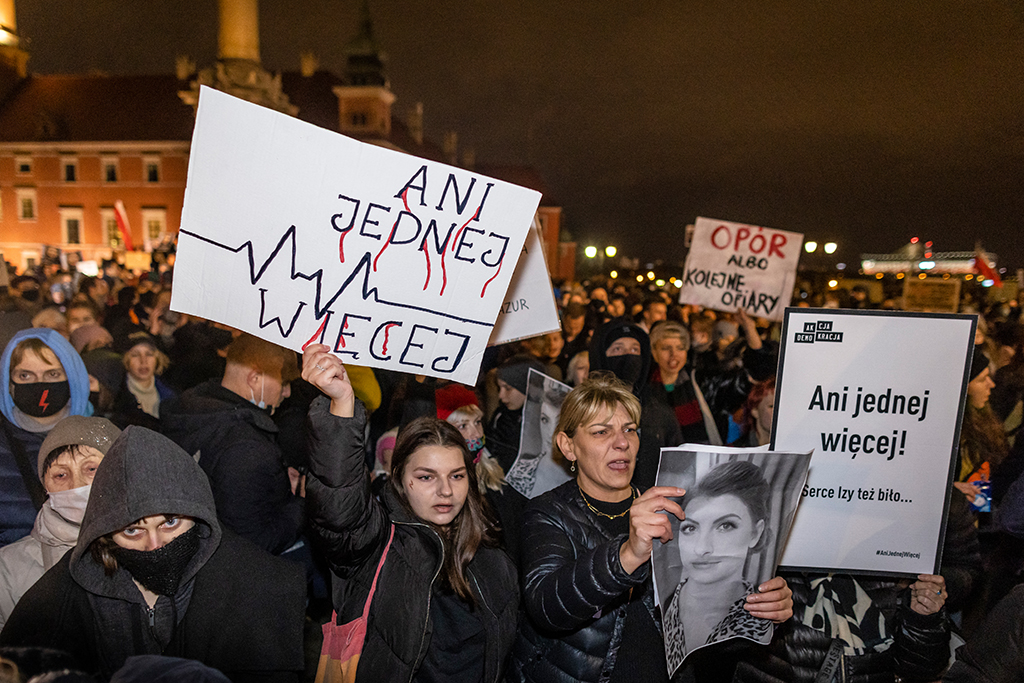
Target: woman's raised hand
324, 371
774, 600
647, 522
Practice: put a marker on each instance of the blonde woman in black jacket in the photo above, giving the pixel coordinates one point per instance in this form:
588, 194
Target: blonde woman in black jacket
586, 554
447, 599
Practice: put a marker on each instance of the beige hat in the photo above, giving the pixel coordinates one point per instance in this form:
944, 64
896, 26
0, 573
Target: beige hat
98, 432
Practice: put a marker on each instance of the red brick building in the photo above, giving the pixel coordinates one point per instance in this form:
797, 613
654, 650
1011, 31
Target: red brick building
73, 145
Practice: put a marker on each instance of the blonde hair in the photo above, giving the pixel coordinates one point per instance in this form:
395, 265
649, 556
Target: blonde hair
162, 360
602, 391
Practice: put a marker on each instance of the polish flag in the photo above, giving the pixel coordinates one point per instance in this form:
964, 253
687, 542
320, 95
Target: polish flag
985, 269
122, 225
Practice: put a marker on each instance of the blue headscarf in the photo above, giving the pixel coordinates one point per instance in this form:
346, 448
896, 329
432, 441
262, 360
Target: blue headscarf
74, 368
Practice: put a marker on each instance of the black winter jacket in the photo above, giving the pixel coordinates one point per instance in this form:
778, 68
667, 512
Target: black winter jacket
352, 528
239, 609
575, 592
238, 450
919, 652
995, 653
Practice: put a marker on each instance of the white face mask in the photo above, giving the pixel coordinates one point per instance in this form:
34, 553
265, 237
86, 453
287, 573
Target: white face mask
261, 404
71, 504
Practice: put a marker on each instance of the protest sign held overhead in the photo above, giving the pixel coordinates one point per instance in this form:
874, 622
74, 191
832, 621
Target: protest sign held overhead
739, 507
879, 396
297, 235
931, 295
731, 266
529, 306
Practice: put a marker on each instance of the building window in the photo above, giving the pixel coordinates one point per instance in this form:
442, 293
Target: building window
154, 225
26, 203
109, 170
71, 224
111, 235
151, 169
70, 170
359, 119
23, 165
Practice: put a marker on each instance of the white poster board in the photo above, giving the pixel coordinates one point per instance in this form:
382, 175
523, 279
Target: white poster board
297, 234
529, 306
731, 266
879, 397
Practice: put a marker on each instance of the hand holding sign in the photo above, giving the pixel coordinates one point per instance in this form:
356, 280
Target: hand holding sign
327, 373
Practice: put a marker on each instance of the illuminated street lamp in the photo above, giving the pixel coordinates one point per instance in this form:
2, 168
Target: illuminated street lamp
610, 252
639, 278
590, 251
810, 247
650, 274
830, 247
614, 274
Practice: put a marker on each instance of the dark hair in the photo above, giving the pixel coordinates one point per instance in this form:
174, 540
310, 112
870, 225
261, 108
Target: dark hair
474, 524
76, 450
741, 479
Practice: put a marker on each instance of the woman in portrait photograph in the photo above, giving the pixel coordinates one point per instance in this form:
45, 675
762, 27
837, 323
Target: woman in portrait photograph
726, 521
537, 470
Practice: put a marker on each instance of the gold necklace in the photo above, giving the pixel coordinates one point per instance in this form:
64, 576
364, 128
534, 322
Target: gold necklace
605, 514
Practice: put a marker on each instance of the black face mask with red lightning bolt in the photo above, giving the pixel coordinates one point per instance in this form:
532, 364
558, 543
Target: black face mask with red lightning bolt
41, 399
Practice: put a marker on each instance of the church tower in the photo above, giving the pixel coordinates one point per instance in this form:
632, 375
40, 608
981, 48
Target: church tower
364, 102
13, 60
238, 70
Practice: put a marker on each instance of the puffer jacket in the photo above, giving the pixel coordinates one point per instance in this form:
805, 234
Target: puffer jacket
919, 651
995, 653
575, 592
352, 529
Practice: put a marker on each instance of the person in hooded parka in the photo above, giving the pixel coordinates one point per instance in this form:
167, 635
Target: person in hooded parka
153, 572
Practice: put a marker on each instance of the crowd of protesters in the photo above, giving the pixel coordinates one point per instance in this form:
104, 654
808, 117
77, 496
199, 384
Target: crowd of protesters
181, 499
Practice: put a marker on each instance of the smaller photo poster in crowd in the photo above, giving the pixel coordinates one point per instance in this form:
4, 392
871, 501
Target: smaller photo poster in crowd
731, 266
538, 468
529, 306
879, 396
739, 506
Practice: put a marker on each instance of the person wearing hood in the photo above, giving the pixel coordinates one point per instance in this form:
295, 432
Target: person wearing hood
68, 460
227, 422
42, 381
505, 426
153, 572
622, 348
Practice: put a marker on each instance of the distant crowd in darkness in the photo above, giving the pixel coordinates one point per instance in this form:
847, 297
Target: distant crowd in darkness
181, 499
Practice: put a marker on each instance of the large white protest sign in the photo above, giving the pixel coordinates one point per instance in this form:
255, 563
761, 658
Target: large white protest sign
297, 234
529, 306
879, 396
731, 266
739, 506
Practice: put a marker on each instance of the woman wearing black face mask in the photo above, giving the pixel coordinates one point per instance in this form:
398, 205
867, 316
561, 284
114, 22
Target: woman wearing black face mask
622, 348
42, 381
154, 573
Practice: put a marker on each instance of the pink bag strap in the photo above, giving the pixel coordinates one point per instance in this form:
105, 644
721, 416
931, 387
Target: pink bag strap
373, 586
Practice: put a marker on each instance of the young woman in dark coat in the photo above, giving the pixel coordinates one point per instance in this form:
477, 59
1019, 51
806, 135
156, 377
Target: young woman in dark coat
447, 598
586, 554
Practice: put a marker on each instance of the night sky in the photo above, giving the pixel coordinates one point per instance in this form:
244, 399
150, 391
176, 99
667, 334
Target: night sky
861, 121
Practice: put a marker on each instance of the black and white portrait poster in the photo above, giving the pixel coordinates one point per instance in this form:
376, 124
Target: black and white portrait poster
739, 506
538, 469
